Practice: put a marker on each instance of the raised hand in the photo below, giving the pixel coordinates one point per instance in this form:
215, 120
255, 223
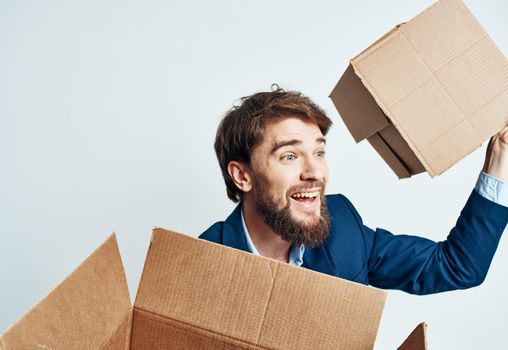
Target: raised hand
496, 159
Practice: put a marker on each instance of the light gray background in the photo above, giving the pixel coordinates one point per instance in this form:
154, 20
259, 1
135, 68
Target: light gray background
108, 111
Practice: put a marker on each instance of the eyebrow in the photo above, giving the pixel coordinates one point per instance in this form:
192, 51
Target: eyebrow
278, 145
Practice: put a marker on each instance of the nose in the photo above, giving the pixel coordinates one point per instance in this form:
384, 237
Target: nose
314, 169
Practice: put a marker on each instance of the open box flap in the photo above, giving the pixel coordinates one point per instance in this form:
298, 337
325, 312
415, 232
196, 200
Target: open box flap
357, 107
417, 340
90, 309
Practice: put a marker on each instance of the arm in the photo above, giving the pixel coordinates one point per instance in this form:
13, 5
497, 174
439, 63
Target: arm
420, 266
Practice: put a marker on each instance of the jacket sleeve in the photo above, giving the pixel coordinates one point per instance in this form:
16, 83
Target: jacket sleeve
420, 266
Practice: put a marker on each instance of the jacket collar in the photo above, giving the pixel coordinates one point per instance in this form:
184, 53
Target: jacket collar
233, 234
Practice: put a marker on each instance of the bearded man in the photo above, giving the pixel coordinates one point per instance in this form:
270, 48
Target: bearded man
271, 150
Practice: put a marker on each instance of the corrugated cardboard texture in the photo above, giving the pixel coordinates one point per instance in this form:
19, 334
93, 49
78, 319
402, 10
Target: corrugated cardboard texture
89, 308
439, 79
155, 332
417, 340
233, 298
119, 340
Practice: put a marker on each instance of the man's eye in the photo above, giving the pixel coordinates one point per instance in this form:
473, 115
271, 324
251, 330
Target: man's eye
289, 157
320, 154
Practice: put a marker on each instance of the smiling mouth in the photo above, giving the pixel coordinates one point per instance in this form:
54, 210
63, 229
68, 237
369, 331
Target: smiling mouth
305, 197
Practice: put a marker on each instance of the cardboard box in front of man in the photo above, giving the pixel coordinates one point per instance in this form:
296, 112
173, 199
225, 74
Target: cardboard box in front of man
427, 93
195, 294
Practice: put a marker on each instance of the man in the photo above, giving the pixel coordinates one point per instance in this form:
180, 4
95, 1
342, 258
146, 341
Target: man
271, 150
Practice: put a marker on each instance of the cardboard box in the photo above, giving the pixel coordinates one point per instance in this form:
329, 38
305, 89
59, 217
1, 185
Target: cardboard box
428, 92
194, 294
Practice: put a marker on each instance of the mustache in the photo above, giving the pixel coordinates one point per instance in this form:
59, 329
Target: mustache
307, 186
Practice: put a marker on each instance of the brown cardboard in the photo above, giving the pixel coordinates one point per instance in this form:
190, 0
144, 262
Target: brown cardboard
90, 309
236, 296
417, 340
194, 294
427, 93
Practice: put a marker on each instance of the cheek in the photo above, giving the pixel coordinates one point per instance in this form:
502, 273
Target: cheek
286, 180
279, 186
326, 171
281, 175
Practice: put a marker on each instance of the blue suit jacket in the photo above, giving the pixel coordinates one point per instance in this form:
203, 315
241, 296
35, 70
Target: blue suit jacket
413, 264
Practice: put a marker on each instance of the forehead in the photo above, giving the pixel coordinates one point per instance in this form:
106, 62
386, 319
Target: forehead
291, 129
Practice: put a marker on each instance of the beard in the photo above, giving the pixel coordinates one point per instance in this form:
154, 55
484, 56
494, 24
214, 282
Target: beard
310, 233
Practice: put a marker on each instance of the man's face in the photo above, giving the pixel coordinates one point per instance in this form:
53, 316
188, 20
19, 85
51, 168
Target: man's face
290, 175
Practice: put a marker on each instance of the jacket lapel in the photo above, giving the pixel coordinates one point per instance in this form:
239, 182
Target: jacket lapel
317, 259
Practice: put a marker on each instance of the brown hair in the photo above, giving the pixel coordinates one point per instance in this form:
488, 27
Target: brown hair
242, 127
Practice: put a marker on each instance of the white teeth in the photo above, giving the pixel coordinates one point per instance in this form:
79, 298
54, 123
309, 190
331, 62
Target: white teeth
306, 194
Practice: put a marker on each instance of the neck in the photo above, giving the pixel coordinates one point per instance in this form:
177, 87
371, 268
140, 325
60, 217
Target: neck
268, 243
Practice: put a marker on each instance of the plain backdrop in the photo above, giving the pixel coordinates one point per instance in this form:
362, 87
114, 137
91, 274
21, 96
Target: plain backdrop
108, 111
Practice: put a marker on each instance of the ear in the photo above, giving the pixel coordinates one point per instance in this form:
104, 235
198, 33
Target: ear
240, 173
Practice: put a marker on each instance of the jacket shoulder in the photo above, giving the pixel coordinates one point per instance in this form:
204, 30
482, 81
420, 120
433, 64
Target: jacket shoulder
339, 205
213, 233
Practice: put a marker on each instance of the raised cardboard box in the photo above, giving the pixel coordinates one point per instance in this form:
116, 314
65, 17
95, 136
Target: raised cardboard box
195, 294
428, 92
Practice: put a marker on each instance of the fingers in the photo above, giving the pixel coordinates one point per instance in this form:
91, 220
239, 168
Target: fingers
503, 134
496, 159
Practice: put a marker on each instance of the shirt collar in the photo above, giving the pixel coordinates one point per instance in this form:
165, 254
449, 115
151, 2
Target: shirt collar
295, 252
